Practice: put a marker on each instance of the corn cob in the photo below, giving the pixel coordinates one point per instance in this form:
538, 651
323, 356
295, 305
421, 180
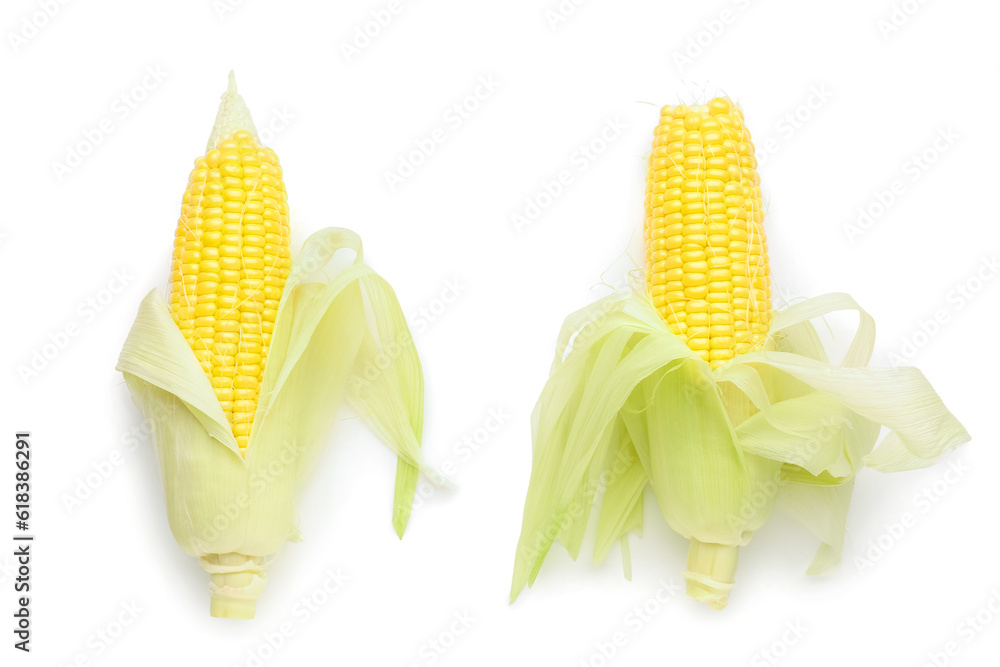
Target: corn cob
706, 253
246, 355
231, 258
656, 387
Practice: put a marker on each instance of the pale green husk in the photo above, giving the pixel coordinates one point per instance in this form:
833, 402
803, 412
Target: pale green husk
628, 404
339, 331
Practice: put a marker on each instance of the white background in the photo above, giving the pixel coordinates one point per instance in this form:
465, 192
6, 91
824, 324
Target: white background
885, 92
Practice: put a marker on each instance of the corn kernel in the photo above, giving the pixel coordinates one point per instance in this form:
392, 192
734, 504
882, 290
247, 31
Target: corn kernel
707, 270
231, 260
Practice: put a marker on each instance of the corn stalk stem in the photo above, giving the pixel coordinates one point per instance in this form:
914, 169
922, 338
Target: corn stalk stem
236, 582
711, 570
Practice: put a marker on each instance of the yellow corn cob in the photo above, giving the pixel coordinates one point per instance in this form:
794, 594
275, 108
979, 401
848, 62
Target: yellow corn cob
224, 318
706, 254
231, 258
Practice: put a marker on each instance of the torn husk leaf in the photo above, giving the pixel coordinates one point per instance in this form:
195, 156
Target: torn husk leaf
690, 384
338, 332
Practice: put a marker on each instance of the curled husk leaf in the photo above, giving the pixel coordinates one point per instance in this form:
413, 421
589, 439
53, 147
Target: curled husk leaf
628, 404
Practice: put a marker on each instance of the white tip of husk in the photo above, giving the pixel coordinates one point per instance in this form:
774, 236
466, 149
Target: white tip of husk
233, 116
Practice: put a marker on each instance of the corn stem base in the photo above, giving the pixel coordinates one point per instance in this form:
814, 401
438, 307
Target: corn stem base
711, 572
237, 582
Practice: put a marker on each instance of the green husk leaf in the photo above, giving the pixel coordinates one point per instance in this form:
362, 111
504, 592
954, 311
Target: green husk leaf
822, 510
156, 353
718, 446
898, 398
697, 471
815, 432
803, 339
621, 506
574, 421
387, 390
218, 501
